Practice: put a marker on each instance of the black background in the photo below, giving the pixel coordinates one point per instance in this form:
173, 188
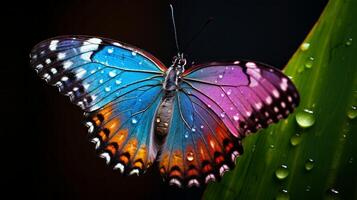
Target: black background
45, 151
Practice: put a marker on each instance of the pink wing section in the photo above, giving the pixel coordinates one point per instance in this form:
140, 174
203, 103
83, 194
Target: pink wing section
247, 96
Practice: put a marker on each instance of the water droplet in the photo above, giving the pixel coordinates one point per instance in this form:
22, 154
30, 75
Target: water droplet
222, 95
305, 46
220, 76
308, 188
101, 81
236, 118
223, 114
282, 172
309, 164
229, 92
189, 156
332, 192
295, 139
133, 53
271, 146
186, 134
309, 62
107, 89
305, 118
283, 195
118, 81
352, 112
350, 160
193, 129
349, 42
134, 121
202, 126
112, 73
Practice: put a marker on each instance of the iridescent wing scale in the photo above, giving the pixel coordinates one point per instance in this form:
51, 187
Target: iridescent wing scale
117, 85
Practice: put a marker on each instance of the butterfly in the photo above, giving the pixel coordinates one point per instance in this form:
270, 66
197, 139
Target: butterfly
139, 111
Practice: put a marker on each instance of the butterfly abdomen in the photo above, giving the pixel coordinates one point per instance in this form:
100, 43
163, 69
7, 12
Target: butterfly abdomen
163, 116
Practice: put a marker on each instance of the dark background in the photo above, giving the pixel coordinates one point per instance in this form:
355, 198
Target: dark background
46, 154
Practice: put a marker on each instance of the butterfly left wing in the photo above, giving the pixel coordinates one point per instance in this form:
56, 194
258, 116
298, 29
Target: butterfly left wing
119, 86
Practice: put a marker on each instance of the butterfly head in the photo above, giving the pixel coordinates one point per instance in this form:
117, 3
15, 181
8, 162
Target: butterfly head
178, 63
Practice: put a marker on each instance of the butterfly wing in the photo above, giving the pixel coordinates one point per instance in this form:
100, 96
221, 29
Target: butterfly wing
246, 95
199, 147
119, 86
219, 104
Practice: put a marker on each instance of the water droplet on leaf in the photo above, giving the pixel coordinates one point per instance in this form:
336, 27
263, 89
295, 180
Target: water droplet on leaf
282, 172
309, 62
305, 118
295, 139
349, 42
283, 195
305, 46
352, 112
309, 164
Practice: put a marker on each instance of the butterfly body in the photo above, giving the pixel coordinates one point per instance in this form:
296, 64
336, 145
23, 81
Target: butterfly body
138, 111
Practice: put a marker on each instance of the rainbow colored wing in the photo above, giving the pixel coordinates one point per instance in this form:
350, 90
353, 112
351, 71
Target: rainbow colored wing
119, 86
217, 106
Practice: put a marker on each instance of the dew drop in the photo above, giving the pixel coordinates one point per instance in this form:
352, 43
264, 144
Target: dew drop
309, 62
202, 126
107, 89
271, 146
282, 172
283, 195
236, 118
295, 139
350, 160
309, 164
101, 81
305, 118
134, 121
220, 76
229, 92
112, 73
352, 112
133, 53
308, 188
186, 134
118, 81
189, 156
222, 95
223, 114
348, 42
193, 129
332, 192
305, 46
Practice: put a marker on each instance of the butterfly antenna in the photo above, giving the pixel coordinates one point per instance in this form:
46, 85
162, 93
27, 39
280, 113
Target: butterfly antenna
174, 24
209, 20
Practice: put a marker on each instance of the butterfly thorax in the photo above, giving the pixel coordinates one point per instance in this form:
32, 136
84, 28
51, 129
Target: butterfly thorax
173, 74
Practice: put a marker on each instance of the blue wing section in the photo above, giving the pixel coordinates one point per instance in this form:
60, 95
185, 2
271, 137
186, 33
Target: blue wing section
94, 71
118, 86
199, 147
123, 130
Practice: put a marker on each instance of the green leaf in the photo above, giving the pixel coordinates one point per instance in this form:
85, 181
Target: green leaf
312, 151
